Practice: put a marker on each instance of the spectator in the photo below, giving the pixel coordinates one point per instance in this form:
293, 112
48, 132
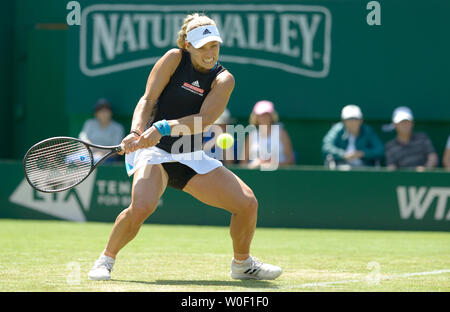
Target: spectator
352, 143
102, 130
210, 147
260, 140
446, 157
409, 149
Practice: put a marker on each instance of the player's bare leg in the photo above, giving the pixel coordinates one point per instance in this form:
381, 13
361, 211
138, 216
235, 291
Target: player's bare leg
149, 184
223, 189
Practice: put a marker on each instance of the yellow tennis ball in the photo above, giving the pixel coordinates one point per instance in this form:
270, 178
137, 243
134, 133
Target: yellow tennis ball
225, 140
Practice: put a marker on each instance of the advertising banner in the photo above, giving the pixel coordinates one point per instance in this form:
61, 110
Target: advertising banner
303, 198
309, 58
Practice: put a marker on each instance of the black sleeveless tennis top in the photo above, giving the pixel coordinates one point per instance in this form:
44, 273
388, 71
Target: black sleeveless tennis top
184, 96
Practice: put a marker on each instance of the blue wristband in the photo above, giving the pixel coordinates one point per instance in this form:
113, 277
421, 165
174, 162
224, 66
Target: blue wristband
163, 127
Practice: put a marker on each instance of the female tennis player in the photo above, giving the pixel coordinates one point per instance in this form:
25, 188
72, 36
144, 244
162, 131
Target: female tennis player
185, 86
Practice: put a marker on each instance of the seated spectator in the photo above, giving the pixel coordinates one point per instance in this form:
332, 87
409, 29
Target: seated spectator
102, 130
352, 143
446, 157
260, 140
210, 147
409, 149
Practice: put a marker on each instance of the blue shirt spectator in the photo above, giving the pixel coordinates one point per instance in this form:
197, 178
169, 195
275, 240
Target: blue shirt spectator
102, 130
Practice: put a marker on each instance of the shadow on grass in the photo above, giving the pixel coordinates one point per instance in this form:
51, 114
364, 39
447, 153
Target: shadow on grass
243, 283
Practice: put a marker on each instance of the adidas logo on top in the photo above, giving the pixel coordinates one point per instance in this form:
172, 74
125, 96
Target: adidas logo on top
206, 31
195, 83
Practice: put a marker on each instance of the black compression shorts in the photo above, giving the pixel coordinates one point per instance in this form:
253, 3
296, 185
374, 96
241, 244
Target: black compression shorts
179, 174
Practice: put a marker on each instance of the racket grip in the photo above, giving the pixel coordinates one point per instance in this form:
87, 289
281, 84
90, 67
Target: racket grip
119, 148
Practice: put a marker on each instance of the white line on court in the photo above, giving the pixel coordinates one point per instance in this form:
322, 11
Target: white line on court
365, 280
395, 276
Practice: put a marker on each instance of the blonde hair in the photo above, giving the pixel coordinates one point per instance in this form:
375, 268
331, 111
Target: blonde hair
192, 21
253, 120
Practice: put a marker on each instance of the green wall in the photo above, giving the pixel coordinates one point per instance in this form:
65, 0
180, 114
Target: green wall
294, 197
6, 60
38, 73
402, 62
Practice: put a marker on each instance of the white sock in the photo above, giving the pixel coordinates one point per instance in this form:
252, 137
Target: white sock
108, 259
240, 261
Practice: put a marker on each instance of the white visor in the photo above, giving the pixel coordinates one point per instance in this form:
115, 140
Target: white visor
201, 35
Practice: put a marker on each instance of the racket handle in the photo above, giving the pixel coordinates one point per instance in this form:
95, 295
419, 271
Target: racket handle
119, 148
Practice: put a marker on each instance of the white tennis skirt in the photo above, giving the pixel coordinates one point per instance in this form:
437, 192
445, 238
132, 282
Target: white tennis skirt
198, 160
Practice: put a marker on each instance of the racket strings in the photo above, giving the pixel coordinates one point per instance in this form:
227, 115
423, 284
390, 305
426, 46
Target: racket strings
43, 148
59, 169
58, 164
44, 153
43, 161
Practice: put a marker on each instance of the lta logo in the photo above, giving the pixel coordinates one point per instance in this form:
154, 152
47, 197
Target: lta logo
68, 205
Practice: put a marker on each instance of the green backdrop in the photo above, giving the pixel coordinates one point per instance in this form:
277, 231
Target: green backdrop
294, 197
401, 62
404, 61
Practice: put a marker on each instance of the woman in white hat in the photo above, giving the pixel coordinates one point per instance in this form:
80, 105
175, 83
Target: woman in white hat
187, 90
277, 143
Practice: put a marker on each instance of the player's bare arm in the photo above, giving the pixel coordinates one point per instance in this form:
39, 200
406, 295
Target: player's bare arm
157, 80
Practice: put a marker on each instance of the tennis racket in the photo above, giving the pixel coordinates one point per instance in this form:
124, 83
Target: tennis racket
60, 163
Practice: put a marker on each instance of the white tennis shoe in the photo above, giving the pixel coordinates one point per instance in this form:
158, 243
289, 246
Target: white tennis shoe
101, 271
252, 268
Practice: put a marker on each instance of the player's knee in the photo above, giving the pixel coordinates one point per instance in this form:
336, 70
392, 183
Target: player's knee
253, 205
139, 211
250, 205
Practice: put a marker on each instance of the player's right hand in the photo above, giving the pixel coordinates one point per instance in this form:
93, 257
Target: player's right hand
127, 143
149, 138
